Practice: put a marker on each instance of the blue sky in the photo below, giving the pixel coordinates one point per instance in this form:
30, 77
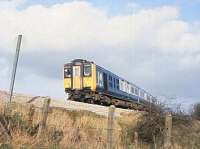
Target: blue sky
190, 9
159, 49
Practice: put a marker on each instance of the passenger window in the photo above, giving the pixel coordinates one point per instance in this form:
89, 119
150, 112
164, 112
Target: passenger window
132, 90
117, 80
141, 94
136, 91
110, 78
87, 70
115, 84
110, 82
100, 78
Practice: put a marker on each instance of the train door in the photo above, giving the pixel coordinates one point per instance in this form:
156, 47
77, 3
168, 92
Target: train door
77, 79
105, 81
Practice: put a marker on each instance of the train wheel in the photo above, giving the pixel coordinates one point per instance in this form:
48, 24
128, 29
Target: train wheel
92, 101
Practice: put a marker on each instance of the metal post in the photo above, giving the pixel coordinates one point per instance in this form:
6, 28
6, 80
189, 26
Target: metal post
15, 66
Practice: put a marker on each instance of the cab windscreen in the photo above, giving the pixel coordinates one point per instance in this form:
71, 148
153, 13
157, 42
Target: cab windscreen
67, 72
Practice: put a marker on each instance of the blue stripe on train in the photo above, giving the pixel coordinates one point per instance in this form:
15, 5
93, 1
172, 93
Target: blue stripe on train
114, 91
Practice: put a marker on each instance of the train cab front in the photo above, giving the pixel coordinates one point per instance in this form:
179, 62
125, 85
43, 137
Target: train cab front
78, 78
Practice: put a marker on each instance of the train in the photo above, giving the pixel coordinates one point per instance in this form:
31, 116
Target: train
85, 81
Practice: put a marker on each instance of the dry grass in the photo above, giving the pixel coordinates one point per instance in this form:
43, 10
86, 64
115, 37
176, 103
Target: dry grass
86, 130
80, 129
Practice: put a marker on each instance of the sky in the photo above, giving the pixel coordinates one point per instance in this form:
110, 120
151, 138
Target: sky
154, 44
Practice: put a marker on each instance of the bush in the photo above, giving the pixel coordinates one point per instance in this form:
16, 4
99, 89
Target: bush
151, 127
196, 111
16, 122
55, 136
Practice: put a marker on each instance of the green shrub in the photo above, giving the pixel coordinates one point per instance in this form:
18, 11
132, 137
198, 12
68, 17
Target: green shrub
150, 127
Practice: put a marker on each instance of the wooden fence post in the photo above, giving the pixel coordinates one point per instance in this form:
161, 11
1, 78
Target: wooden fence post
168, 131
136, 141
154, 142
110, 126
99, 138
42, 123
4, 132
31, 114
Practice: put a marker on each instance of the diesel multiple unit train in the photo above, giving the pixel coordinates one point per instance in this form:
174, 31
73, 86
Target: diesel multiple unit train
85, 81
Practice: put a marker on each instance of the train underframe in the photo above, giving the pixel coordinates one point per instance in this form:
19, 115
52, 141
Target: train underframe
105, 99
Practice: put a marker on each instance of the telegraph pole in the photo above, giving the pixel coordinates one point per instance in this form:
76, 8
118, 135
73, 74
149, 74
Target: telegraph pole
12, 83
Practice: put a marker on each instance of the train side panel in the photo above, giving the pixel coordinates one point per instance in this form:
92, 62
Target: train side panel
67, 76
89, 82
111, 84
100, 79
67, 83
